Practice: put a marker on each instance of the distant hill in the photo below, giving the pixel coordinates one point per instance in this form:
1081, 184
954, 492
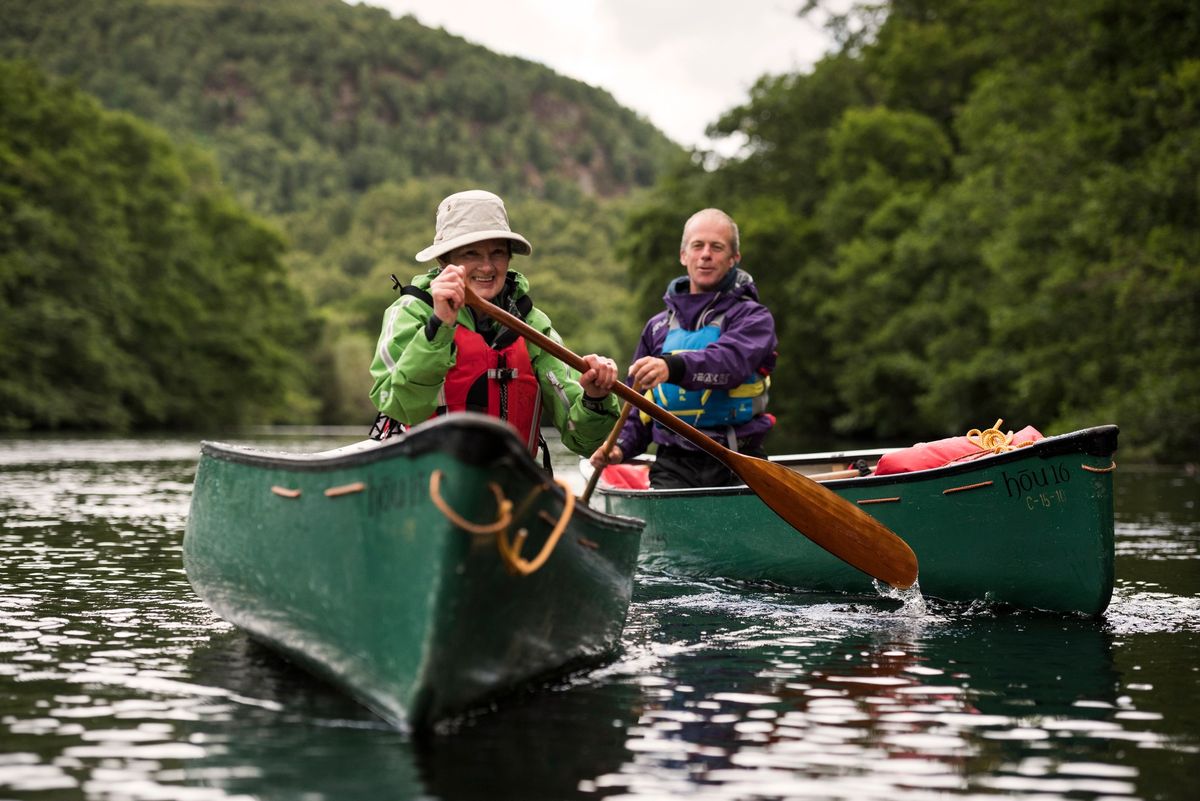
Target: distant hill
304, 100
344, 126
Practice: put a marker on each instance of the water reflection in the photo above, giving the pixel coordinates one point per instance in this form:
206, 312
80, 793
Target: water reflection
778, 696
116, 682
280, 733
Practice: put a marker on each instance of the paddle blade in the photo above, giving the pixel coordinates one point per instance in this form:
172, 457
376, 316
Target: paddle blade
829, 520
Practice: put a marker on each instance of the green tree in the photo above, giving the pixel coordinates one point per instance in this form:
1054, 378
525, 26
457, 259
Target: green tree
972, 210
133, 292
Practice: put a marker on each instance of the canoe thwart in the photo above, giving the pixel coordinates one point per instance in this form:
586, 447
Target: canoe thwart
285, 492
834, 474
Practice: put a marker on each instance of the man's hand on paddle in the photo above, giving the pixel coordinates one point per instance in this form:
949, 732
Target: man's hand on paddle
648, 372
599, 459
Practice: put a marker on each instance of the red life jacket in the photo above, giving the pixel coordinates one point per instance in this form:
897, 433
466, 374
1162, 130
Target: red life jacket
498, 382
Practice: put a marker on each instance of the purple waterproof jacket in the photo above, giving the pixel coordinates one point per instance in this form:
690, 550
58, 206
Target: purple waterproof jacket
747, 343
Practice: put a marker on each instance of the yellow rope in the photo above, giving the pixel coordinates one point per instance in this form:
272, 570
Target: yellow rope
993, 440
510, 550
503, 508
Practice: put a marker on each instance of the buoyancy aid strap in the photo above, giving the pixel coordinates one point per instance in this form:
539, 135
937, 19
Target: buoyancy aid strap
477, 396
521, 308
545, 448
385, 427
418, 293
501, 374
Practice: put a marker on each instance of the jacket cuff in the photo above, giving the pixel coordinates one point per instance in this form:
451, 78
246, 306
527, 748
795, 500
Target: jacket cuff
434, 326
675, 368
596, 405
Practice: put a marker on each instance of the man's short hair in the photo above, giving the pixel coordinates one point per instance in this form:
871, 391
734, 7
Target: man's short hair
711, 213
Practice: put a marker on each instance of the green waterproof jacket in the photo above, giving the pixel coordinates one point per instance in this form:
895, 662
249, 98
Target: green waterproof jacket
409, 369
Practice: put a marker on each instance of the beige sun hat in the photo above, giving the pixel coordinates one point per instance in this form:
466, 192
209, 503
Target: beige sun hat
472, 216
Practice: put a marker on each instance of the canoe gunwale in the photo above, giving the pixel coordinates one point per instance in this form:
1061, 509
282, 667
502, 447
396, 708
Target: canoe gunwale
1097, 441
472, 438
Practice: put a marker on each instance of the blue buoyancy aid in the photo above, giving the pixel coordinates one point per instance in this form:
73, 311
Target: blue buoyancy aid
708, 408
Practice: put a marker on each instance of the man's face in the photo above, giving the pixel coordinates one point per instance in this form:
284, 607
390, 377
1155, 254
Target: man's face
708, 253
487, 264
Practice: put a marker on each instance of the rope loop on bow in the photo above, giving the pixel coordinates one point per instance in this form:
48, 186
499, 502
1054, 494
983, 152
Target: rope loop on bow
509, 549
503, 508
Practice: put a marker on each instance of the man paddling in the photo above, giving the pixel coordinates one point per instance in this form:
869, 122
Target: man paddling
707, 358
435, 355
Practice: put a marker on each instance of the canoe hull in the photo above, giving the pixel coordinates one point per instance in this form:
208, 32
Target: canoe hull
1032, 528
374, 587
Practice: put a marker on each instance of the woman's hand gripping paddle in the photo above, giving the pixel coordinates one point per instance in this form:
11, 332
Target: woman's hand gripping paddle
828, 520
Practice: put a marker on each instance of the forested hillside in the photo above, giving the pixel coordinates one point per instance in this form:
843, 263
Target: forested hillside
344, 127
974, 209
970, 210
305, 100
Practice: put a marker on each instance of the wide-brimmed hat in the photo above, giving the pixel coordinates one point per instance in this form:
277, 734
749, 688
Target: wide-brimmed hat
471, 216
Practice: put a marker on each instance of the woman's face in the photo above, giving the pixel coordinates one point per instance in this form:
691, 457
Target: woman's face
486, 263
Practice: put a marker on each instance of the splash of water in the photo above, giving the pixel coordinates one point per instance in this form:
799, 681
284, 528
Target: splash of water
912, 603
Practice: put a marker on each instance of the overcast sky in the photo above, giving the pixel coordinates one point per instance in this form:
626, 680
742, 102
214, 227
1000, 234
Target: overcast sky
678, 63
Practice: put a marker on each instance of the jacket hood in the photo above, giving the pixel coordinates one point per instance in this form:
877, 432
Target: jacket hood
738, 284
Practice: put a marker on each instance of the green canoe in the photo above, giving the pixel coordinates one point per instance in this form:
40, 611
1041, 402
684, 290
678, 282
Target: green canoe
1032, 528
394, 570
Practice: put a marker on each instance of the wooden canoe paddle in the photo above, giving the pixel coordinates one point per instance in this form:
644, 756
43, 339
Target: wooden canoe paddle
818, 513
608, 446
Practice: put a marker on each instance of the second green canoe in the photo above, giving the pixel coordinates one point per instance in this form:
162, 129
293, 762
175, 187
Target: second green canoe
1031, 528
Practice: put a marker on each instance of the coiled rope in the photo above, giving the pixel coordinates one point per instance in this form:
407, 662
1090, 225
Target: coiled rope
993, 440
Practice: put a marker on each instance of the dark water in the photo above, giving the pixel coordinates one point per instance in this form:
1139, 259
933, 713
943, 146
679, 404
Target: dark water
117, 683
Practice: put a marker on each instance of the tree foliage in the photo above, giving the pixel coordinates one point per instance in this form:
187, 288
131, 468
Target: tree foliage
306, 101
134, 292
345, 127
974, 209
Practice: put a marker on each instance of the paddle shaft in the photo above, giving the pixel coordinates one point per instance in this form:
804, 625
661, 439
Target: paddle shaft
608, 446
828, 520
628, 394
